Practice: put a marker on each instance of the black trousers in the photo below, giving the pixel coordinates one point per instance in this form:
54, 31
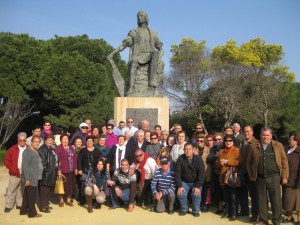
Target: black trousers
230, 198
28, 204
45, 194
271, 186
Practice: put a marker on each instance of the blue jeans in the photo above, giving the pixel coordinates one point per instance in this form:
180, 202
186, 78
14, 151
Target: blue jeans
115, 199
183, 198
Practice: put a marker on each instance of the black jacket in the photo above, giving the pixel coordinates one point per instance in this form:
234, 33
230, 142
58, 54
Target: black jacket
193, 172
49, 162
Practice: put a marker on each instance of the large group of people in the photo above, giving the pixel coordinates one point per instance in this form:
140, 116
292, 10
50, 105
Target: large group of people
163, 170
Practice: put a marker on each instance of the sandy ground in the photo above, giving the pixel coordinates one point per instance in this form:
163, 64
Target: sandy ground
78, 215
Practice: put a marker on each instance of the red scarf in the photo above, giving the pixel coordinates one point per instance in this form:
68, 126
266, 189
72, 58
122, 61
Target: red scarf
140, 165
227, 149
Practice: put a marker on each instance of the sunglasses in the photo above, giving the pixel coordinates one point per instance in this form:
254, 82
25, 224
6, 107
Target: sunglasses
138, 156
218, 139
109, 128
200, 141
210, 140
47, 125
84, 127
228, 141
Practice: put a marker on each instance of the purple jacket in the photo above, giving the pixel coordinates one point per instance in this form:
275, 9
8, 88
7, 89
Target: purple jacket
63, 158
111, 139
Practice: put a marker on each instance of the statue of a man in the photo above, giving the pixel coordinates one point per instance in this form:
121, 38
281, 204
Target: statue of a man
145, 58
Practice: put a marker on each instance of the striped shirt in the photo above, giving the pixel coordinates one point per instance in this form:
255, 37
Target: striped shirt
164, 183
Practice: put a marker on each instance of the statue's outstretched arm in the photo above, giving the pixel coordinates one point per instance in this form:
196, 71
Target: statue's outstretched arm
117, 50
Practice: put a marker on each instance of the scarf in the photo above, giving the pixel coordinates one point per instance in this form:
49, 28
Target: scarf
227, 149
140, 165
117, 155
48, 131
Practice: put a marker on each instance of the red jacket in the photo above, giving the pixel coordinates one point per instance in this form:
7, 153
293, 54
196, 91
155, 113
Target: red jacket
11, 160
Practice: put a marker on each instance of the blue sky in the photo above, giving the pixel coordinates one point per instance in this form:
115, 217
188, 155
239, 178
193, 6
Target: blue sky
216, 21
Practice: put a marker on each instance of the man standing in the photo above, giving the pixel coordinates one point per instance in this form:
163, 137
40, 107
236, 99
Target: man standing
35, 131
249, 186
135, 143
267, 165
163, 187
132, 129
239, 137
190, 175
13, 162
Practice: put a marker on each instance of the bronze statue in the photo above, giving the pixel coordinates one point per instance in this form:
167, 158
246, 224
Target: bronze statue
145, 60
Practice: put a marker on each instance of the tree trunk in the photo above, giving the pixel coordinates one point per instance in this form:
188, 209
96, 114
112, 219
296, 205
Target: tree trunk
266, 117
202, 122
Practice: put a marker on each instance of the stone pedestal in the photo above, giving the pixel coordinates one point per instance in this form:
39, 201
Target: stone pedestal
155, 110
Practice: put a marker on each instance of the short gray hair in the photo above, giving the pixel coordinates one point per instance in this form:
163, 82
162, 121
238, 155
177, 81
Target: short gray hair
266, 129
22, 134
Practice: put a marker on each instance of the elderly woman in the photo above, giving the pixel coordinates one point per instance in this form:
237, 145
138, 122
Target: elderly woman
49, 161
95, 185
68, 167
229, 157
154, 148
87, 160
291, 190
32, 170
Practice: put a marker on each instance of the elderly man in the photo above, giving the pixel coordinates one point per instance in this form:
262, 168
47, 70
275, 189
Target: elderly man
146, 166
13, 162
136, 143
132, 129
145, 125
249, 186
267, 165
189, 175
82, 132
123, 186
239, 137
36, 130
164, 137
163, 187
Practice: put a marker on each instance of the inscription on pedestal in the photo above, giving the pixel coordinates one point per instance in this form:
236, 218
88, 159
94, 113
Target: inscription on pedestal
149, 114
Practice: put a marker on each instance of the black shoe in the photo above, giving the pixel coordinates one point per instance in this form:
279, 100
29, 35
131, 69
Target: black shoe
243, 214
196, 214
219, 211
6, 210
45, 210
113, 207
287, 220
36, 216
18, 207
171, 212
181, 213
253, 219
232, 218
225, 216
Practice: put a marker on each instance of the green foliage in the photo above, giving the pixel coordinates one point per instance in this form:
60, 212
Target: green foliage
2, 155
66, 78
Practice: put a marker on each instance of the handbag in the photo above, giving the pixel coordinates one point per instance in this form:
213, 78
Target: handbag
59, 185
233, 178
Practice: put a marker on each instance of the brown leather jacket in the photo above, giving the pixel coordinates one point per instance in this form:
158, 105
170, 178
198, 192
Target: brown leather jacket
280, 157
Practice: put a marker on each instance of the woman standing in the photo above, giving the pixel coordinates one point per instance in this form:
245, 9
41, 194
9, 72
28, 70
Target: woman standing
68, 167
32, 170
49, 161
291, 190
87, 160
94, 186
229, 157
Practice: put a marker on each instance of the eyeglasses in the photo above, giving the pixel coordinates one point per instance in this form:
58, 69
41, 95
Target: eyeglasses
201, 141
228, 141
153, 138
22, 140
129, 121
138, 156
84, 127
47, 125
210, 140
218, 139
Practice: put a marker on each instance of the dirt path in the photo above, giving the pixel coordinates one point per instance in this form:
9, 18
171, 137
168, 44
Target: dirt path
78, 215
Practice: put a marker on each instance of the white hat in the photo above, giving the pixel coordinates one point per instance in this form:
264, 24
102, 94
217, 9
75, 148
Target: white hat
83, 125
